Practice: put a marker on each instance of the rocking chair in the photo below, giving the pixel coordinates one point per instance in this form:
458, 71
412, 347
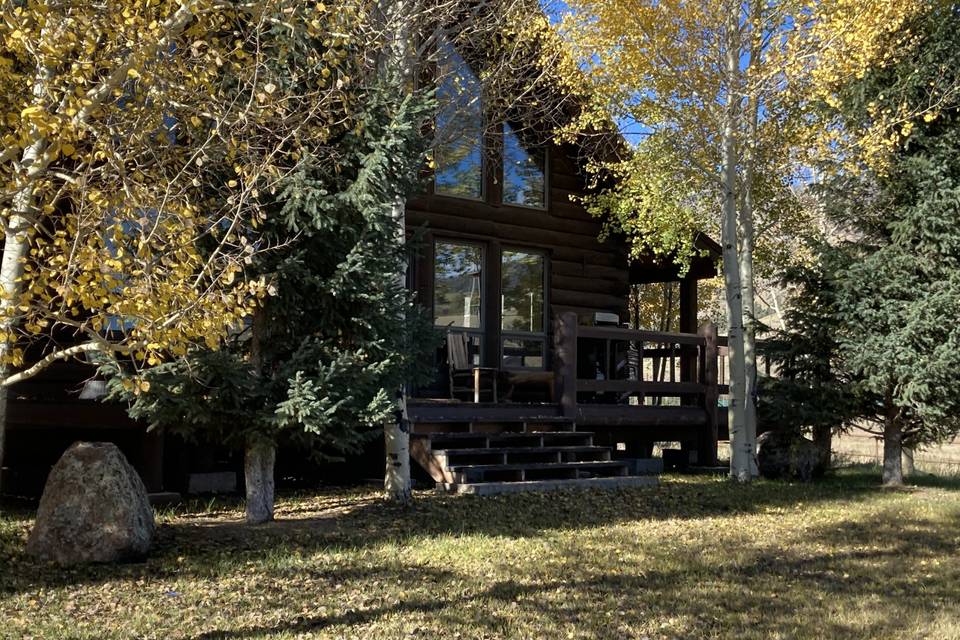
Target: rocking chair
464, 377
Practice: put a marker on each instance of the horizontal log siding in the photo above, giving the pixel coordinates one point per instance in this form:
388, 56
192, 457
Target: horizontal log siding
586, 275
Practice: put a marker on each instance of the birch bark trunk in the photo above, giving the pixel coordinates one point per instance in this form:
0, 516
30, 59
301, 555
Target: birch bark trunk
396, 432
746, 237
747, 242
740, 447
33, 162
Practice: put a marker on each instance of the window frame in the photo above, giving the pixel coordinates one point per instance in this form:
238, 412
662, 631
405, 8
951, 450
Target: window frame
541, 336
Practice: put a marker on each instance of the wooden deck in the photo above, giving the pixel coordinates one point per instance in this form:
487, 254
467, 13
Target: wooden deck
628, 389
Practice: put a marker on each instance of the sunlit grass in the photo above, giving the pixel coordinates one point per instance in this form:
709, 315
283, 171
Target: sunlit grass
694, 558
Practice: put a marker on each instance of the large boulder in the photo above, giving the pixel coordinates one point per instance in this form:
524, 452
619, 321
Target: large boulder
786, 455
94, 509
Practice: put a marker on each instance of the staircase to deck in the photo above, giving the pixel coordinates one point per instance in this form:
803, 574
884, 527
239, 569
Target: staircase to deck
491, 458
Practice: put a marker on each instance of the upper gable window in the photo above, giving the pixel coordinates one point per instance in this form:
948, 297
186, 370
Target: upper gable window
524, 172
459, 150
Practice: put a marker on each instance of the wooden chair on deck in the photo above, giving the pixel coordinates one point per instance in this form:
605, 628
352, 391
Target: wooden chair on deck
464, 377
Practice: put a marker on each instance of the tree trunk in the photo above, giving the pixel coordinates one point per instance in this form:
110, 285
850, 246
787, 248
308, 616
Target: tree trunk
892, 449
823, 439
746, 237
260, 452
740, 446
396, 433
908, 467
749, 316
258, 462
396, 437
3, 432
15, 246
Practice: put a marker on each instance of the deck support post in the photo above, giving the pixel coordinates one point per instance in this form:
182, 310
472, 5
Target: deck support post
688, 324
707, 446
565, 362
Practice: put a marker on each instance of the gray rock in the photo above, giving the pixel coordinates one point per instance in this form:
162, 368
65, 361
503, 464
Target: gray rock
785, 455
94, 509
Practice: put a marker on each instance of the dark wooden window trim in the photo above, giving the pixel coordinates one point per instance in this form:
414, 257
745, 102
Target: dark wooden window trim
546, 333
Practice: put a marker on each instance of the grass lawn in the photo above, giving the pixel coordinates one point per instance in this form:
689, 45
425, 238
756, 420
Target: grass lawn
694, 558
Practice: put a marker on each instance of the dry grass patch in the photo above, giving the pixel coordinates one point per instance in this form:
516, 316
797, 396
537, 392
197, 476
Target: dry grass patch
694, 558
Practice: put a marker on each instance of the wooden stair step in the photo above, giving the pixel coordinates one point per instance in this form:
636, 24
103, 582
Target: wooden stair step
527, 466
521, 471
495, 488
504, 435
529, 454
533, 449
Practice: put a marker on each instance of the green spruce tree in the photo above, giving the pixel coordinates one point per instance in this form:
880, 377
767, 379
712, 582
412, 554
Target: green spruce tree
812, 391
898, 296
338, 334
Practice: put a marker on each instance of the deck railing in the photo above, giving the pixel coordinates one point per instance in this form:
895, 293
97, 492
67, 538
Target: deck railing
612, 365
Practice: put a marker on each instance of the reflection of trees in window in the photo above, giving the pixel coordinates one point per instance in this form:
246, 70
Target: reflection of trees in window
459, 149
522, 282
523, 172
457, 285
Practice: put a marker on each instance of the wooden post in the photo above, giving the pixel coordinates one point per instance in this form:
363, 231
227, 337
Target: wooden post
565, 362
707, 446
688, 324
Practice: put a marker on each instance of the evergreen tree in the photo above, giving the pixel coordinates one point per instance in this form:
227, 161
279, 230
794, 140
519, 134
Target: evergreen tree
898, 297
338, 334
812, 390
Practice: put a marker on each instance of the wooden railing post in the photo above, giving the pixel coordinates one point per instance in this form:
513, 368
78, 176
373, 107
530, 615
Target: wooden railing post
565, 359
707, 446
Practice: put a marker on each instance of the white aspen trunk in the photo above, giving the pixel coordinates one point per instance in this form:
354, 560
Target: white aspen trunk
747, 243
258, 463
396, 431
746, 238
740, 446
396, 439
15, 246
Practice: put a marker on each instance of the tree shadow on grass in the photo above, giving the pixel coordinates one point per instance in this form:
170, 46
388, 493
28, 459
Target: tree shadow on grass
352, 519
763, 590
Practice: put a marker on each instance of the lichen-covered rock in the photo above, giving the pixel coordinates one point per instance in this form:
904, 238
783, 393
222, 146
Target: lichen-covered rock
785, 455
94, 509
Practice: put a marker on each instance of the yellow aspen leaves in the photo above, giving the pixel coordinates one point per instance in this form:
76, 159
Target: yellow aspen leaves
134, 112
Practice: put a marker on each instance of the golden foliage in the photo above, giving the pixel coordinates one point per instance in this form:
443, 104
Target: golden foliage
142, 143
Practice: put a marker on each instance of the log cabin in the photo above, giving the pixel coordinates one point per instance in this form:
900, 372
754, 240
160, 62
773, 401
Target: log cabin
540, 381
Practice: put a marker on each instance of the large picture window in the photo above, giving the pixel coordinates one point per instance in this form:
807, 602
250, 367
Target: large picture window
522, 320
458, 154
524, 172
